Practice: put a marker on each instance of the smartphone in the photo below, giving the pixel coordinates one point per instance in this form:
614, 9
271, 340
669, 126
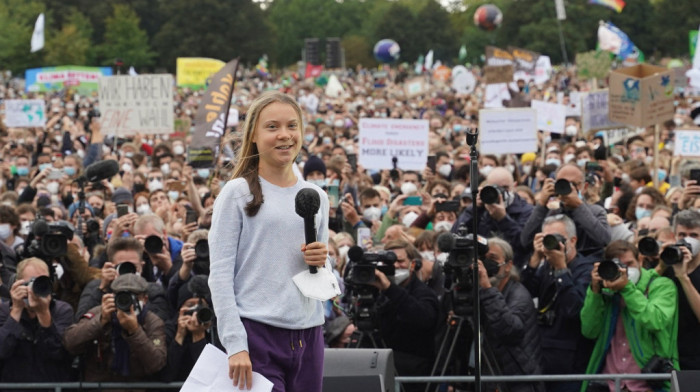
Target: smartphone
190, 217
178, 186
413, 201
122, 209
56, 174
432, 161
695, 175
592, 166
352, 160
333, 196
449, 205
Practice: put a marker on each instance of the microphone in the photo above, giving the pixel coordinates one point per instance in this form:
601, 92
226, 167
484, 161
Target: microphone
306, 205
445, 242
99, 171
355, 253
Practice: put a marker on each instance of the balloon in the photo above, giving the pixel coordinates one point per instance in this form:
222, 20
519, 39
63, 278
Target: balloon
387, 51
488, 17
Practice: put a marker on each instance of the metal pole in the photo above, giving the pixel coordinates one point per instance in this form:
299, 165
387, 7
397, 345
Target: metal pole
657, 136
474, 184
563, 45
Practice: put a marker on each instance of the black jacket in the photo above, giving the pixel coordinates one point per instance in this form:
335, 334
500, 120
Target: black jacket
92, 296
509, 321
564, 349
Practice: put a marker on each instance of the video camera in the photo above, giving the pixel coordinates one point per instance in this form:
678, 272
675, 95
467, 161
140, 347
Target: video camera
458, 267
48, 240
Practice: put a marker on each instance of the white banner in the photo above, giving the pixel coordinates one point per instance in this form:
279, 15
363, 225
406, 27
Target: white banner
594, 111
27, 113
543, 70
508, 131
573, 108
495, 95
383, 139
687, 143
550, 116
463, 81
137, 104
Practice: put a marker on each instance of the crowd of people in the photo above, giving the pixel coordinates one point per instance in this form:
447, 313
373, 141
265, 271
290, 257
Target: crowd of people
587, 264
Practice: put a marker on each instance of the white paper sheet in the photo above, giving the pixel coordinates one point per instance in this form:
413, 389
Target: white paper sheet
210, 374
321, 286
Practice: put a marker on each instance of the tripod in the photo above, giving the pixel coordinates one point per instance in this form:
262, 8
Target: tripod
359, 337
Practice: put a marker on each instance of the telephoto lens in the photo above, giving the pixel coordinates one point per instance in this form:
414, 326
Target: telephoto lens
153, 244
562, 187
204, 313
123, 300
489, 194
201, 249
672, 255
126, 268
648, 247
552, 241
610, 269
40, 286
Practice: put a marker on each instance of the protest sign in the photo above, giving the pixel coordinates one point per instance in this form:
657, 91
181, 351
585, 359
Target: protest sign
137, 104
617, 135
498, 74
543, 70
211, 118
508, 131
593, 64
572, 103
25, 113
594, 111
497, 57
415, 87
687, 143
83, 80
525, 60
193, 72
641, 95
463, 81
495, 94
550, 116
380, 140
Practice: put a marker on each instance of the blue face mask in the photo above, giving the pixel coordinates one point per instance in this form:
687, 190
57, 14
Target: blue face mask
553, 161
173, 195
640, 213
457, 127
69, 170
204, 173
662, 175
309, 137
319, 183
22, 171
43, 166
384, 209
580, 195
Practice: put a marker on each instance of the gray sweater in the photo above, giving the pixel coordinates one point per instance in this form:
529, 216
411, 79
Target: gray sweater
253, 260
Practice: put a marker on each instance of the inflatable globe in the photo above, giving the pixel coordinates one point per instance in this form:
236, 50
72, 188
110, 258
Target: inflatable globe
488, 17
387, 51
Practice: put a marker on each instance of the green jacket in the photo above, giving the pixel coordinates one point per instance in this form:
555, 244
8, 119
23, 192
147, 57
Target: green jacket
651, 322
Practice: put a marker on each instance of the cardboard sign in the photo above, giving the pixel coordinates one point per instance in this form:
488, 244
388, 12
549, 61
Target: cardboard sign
497, 56
641, 95
594, 111
525, 60
137, 104
27, 113
687, 143
380, 140
415, 87
83, 80
543, 70
498, 74
495, 94
593, 64
550, 116
193, 72
508, 131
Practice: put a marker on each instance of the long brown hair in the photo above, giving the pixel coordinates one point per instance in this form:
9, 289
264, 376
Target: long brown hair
249, 156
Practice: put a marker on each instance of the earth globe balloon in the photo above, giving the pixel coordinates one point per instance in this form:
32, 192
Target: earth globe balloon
387, 51
488, 17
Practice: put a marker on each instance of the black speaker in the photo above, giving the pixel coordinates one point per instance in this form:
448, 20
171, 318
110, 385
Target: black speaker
312, 51
685, 380
334, 55
358, 369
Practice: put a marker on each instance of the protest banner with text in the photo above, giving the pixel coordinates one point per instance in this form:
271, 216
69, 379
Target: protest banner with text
508, 131
641, 95
83, 80
594, 111
25, 113
687, 143
525, 60
550, 116
380, 140
194, 72
137, 104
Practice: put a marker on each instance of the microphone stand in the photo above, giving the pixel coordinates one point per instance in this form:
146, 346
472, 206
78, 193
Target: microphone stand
472, 137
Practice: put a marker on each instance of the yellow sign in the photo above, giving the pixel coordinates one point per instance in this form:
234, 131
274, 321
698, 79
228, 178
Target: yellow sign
193, 72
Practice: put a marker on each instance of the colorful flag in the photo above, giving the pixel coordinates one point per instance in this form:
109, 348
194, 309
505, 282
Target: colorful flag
38, 34
262, 66
694, 73
615, 5
429, 60
614, 40
313, 71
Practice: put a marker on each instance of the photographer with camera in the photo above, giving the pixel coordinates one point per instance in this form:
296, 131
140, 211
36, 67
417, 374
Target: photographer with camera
631, 312
591, 221
120, 340
502, 212
195, 261
124, 256
557, 275
509, 319
31, 328
162, 254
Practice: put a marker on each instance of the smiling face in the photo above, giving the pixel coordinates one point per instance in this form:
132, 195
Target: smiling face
277, 135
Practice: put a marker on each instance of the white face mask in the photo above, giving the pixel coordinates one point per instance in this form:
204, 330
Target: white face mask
443, 226
571, 130
143, 209
343, 251
569, 157
81, 153
401, 275
25, 227
409, 218
372, 213
155, 185
510, 168
165, 168
5, 231
445, 170
527, 169
428, 255
178, 150
58, 270
408, 188
633, 274
53, 187
126, 167
486, 170
442, 257
694, 245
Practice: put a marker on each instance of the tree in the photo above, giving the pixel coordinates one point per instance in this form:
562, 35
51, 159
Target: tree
71, 45
17, 18
401, 27
673, 20
124, 39
434, 31
358, 51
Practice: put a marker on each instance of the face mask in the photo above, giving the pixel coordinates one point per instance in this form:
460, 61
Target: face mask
25, 227
582, 162
443, 226
457, 127
527, 169
5, 231
372, 213
384, 209
662, 175
143, 209
571, 130
155, 185
129, 154
52, 187
319, 183
640, 213
22, 171
173, 195
442, 257
203, 173
428, 255
445, 170
492, 267
69, 170
309, 137
44, 166
510, 168
58, 270
178, 150
139, 188
165, 168
553, 161
333, 261
106, 150
81, 153
126, 167
486, 170
694, 245
408, 188
409, 218
633, 274
343, 251
569, 157
401, 275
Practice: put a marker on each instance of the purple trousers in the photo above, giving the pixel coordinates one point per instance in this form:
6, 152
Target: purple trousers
292, 359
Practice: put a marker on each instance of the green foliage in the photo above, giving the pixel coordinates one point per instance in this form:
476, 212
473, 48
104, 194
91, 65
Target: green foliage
124, 39
70, 45
17, 18
673, 20
358, 51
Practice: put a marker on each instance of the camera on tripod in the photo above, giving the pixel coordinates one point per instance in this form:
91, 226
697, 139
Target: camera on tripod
48, 240
460, 248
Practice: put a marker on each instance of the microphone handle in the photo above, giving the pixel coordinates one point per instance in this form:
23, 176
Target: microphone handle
310, 235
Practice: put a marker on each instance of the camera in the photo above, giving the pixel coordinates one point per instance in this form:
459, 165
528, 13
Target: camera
657, 365
648, 247
153, 244
48, 240
41, 286
610, 269
204, 313
562, 187
673, 255
126, 268
201, 263
125, 299
491, 193
552, 241
461, 250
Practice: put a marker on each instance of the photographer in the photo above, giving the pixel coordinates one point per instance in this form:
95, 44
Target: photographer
120, 340
124, 256
195, 261
509, 317
407, 312
31, 328
161, 263
558, 276
504, 217
631, 312
591, 222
